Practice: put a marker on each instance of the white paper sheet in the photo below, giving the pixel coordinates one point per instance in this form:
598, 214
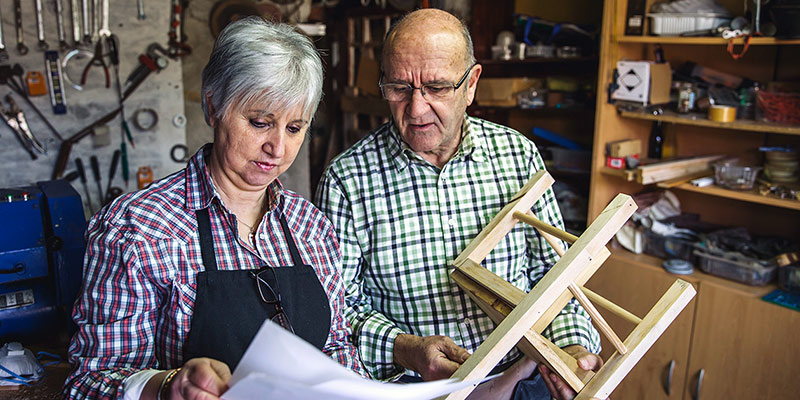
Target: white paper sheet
280, 365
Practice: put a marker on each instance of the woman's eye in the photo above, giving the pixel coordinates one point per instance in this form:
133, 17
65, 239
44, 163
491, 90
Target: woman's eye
259, 124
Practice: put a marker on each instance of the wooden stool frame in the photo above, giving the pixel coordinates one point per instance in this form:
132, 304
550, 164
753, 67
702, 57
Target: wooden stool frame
521, 317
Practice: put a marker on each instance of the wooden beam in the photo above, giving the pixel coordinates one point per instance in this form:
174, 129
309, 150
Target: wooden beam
549, 288
599, 322
639, 341
503, 222
543, 226
608, 305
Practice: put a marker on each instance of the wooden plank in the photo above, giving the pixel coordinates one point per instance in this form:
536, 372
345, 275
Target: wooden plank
694, 120
608, 305
639, 341
599, 322
533, 345
503, 222
671, 183
549, 288
662, 171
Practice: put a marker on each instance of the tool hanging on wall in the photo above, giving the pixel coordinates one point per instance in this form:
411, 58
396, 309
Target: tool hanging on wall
3, 53
62, 35
144, 177
36, 84
76, 21
22, 49
58, 97
177, 34
82, 174
113, 52
96, 173
112, 170
12, 77
16, 120
40, 25
97, 60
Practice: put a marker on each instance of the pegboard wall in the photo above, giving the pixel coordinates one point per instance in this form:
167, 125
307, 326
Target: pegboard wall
161, 92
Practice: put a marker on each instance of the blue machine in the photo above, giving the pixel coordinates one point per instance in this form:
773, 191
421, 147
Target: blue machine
41, 258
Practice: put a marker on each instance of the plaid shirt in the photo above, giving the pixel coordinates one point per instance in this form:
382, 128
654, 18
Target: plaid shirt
140, 275
402, 221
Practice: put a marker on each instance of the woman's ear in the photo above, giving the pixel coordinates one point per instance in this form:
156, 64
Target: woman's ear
212, 120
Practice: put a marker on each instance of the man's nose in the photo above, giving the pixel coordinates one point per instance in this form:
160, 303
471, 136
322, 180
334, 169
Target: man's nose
417, 104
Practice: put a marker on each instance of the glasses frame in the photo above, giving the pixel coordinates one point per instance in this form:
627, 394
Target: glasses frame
280, 316
421, 89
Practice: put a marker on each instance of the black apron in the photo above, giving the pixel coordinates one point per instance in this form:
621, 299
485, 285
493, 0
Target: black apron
228, 310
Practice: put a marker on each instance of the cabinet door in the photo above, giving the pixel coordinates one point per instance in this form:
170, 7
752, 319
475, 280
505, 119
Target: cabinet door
747, 348
661, 373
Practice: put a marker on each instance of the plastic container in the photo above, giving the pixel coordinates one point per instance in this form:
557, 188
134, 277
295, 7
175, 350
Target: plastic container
742, 269
669, 247
735, 176
789, 278
779, 107
668, 24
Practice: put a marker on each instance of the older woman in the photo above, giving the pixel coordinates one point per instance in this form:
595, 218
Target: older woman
179, 277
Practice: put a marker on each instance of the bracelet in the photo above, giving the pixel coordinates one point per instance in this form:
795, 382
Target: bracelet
163, 390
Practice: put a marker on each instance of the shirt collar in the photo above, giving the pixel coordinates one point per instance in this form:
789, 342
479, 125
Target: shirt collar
200, 189
472, 145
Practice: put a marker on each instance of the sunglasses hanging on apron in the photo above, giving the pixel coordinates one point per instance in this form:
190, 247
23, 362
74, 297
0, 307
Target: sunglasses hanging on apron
231, 305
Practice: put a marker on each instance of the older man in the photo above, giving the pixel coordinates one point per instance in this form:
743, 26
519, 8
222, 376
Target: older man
408, 198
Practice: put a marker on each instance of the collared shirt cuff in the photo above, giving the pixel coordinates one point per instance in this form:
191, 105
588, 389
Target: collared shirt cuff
134, 384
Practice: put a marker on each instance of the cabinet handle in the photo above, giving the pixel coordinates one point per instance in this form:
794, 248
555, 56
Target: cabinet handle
668, 383
699, 384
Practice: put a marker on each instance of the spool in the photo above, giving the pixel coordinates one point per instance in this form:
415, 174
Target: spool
722, 113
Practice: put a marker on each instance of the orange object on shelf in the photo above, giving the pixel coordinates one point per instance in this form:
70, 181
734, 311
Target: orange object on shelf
144, 177
36, 83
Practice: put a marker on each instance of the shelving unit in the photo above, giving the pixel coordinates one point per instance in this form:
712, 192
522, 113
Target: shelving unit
725, 326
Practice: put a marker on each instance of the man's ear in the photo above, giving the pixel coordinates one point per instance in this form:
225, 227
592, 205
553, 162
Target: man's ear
472, 85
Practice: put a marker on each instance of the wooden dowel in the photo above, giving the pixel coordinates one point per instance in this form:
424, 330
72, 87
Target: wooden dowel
608, 305
553, 241
538, 224
599, 322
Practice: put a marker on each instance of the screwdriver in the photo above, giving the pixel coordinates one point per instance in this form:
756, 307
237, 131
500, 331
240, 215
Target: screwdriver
111, 172
82, 174
113, 49
96, 173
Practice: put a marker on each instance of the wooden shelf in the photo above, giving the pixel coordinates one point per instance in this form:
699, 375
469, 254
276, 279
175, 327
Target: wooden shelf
756, 41
700, 120
538, 67
750, 196
540, 110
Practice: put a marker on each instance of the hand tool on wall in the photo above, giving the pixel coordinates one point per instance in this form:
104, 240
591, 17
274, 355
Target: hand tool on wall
87, 25
96, 173
82, 174
15, 120
62, 34
58, 98
76, 21
23, 125
104, 32
3, 53
21, 48
98, 60
12, 77
36, 84
12, 123
177, 35
113, 52
111, 172
140, 9
40, 25
125, 171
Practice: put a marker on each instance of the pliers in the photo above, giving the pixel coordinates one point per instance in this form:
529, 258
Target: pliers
97, 59
16, 120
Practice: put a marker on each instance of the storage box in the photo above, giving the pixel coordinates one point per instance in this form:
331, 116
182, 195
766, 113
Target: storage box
669, 247
642, 82
668, 24
736, 267
501, 92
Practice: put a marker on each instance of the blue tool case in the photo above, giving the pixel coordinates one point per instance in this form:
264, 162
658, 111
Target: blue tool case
41, 258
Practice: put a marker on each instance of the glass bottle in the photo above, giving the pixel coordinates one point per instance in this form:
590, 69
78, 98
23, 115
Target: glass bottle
655, 147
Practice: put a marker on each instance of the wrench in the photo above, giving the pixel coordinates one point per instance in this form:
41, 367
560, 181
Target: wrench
3, 55
87, 27
62, 36
140, 8
21, 48
96, 12
40, 25
76, 21
104, 32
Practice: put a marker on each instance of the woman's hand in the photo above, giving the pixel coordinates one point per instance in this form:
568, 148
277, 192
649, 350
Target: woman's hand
198, 379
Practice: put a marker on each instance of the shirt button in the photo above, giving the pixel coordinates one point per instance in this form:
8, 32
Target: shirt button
451, 222
467, 321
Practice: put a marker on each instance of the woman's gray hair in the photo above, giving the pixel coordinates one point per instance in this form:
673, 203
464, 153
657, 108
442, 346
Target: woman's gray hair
255, 61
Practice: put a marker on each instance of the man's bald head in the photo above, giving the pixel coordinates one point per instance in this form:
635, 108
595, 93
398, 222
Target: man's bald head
428, 25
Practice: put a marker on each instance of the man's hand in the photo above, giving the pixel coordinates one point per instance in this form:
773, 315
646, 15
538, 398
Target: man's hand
433, 357
200, 379
586, 361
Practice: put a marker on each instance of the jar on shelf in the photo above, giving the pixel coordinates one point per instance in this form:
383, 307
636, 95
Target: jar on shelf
686, 97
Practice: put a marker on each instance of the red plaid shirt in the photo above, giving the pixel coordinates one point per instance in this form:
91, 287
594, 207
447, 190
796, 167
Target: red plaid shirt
140, 275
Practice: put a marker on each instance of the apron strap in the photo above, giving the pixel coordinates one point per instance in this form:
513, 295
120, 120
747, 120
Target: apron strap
290, 241
206, 239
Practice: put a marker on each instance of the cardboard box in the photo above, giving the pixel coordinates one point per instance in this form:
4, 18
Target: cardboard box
501, 92
643, 82
623, 148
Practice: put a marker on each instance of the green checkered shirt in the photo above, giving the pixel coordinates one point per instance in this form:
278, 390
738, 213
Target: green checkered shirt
402, 221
